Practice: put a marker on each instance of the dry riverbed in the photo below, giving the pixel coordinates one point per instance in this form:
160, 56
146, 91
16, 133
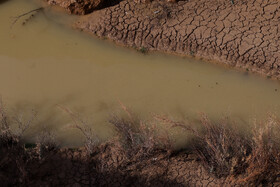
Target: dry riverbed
241, 34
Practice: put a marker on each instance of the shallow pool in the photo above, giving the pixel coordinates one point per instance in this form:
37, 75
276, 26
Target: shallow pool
43, 62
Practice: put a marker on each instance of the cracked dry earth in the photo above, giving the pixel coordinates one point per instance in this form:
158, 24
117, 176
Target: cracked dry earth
108, 167
244, 34
117, 171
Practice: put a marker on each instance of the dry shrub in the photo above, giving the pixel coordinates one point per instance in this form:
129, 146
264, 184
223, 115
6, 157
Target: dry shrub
138, 138
91, 138
46, 143
220, 147
23, 124
19, 123
13, 158
5, 131
252, 159
264, 161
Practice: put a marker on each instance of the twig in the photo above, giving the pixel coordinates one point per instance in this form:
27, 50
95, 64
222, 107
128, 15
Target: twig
16, 18
4, 127
24, 125
91, 137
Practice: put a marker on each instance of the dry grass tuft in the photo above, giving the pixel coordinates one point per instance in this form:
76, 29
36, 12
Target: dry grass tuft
19, 123
91, 138
138, 138
264, 161
46, 143
248, 160
224, 151
220, 148
5, 131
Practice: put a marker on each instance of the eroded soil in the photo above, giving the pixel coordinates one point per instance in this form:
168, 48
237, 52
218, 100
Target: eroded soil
243, 34
108, 166
82, 7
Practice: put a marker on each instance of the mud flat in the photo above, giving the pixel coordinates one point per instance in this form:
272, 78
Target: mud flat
241, 34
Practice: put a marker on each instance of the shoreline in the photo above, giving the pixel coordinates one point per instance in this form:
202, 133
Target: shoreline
218, 155
213, 31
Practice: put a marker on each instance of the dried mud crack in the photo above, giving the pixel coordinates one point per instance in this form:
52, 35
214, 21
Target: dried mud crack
243, 34
108, 167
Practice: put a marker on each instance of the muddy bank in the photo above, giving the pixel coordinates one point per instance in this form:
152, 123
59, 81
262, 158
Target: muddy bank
139, 155
242, 34
82, 7
72, 167
108, 165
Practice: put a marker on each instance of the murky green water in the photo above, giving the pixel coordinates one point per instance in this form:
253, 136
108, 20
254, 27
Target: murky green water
44, 63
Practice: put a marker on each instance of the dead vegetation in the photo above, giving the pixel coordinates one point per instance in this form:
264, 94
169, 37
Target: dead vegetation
13, 158
222, 149
91, 138
15, 154
27, 15
19, 122
264, 160
139, 138
226, 152
46, 143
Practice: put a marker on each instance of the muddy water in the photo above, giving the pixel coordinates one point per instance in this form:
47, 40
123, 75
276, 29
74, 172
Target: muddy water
44, 63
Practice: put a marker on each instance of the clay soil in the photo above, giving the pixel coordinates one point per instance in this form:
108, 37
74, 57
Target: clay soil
107, 166
243, 34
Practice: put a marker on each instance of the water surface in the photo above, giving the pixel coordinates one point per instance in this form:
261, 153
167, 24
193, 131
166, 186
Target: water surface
44, 63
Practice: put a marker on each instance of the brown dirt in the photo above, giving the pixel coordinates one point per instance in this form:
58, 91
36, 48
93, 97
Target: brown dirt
243, 35
82, 7
117, 163
107, 167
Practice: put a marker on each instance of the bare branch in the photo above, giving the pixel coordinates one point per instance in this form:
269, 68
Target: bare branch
91, 137
16, 18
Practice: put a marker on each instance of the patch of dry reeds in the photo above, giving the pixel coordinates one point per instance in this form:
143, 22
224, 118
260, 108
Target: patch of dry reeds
91, 138
137, 137
19, 122
220, 148
264, 160
226, 152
